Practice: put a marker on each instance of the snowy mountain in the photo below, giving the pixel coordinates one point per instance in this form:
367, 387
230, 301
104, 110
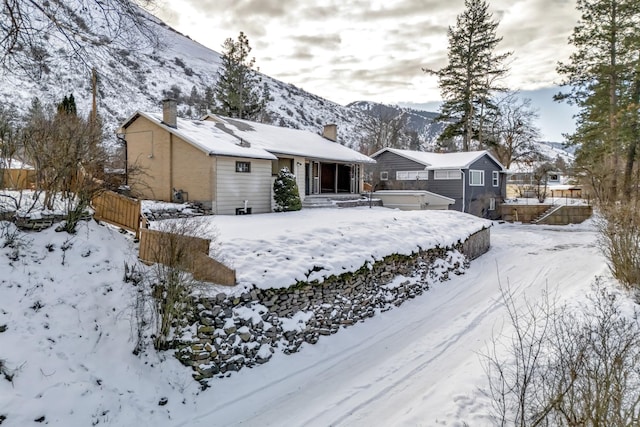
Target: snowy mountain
131, 80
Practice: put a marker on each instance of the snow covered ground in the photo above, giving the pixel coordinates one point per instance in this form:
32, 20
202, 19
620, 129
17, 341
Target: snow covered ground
67, 347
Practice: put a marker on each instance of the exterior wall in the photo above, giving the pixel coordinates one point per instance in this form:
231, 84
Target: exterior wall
478, 196
148, 152
448, 187
392, 163
298, 170
193, 172
166, 162
233, 188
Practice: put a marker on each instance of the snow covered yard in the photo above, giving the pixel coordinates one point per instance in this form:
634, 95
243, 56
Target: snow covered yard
275, 250
68, 333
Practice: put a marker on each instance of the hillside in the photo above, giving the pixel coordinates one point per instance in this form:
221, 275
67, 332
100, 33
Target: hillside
138, 80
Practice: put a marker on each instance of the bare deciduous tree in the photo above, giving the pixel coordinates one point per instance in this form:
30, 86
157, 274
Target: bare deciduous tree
28, 26
563, 365
385, 127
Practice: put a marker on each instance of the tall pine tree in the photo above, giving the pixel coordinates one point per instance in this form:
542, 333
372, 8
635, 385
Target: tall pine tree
603, 75
472, 75
238, 91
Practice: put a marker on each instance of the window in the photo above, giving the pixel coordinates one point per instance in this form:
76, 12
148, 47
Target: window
496, 178
553, 177
446, 174
384, 175
476, 178
244, 167
412, 175
492, 204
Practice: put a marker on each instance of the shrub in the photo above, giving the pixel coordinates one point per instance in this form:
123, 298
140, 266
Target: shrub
619, 229
285, 192
566, 366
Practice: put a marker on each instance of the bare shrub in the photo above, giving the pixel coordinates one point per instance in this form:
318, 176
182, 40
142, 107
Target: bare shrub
566, 367
619, 229
169, 282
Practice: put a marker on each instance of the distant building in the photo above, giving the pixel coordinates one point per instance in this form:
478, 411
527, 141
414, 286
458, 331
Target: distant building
475, 180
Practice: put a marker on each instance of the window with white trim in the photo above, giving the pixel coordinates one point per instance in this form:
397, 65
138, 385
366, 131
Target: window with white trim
492, 204
446, 174
384, 176
476, 178
412, 175
496, 178
244, 167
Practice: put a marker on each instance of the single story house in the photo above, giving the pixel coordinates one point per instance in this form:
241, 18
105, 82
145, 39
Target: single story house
229, 165
475, 180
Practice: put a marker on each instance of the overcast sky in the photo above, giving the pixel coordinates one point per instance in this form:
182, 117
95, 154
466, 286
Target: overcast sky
350, 50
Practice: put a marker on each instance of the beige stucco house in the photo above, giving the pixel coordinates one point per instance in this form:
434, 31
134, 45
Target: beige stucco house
229, 165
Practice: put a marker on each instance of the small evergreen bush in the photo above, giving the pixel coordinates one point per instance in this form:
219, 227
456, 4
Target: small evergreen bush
285, 192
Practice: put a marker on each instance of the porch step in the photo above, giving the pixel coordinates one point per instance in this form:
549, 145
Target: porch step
317, 202
337, 201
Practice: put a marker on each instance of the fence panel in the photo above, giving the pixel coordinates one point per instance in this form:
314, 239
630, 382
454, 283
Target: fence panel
192, 252
17, 179
117, 209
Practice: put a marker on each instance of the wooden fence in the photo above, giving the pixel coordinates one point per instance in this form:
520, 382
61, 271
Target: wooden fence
118, 210
17, 179
184, 252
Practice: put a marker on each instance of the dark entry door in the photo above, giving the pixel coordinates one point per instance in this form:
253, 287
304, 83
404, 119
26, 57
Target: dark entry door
328, 178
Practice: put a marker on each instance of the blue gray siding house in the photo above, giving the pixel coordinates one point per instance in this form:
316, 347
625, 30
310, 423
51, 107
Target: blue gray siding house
475, 180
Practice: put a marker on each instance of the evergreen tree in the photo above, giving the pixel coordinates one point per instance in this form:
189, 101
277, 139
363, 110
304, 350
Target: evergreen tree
285, 192
603, 75
470, 78
68, 105
238, 90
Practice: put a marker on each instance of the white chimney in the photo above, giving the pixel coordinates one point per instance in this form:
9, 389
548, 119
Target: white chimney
170, 112
330, 132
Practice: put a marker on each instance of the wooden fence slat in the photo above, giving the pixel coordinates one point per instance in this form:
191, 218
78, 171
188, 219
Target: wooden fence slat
118, 210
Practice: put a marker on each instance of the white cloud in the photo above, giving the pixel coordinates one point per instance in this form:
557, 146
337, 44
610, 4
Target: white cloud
374, 50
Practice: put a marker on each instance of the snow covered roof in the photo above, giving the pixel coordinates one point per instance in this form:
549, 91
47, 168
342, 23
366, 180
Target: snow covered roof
206, 136
294, 142
460, 160
223, 136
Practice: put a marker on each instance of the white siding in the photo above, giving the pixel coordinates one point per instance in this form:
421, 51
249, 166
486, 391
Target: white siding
298, 170
233, 188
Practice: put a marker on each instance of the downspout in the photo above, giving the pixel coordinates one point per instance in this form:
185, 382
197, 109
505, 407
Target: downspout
126, 158
464, 190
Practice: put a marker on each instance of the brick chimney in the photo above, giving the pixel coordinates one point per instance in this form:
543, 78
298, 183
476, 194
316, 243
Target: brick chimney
330, 132
170, 112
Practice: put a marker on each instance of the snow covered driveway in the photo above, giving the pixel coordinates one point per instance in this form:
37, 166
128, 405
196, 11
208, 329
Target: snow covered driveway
415, 365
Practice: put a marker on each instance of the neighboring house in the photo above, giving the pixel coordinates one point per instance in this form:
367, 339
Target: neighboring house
229, 165
522, 181
475, 180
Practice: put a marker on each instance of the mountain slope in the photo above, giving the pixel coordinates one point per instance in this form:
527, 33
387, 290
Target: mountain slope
131, 80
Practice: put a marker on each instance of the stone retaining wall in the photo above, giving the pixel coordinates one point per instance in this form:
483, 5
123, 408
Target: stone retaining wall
229, 333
